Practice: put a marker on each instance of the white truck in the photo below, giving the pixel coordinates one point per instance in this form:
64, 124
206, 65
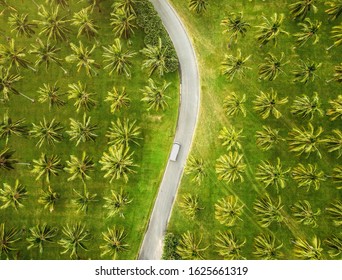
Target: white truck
174, 152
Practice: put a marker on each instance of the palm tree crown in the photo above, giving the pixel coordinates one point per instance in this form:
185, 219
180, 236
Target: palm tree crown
13, 196
82, 131
229, 247
21, 25
114, 242
86, 25
271, 29
235, 25
83, 98
234, 65
154, 95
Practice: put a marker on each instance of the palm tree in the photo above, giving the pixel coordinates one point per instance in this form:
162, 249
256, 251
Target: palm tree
49, 198
197, 168
272, 175
234, 105
83, 199
46, 53
21, 25
8, 238
82, 56
267, 247
338, 74
114, 242
268, 211
86, 25
230, 167
306, 71
234, 65
337, 175
270, 29
229, 247
198, 6
13, 196
117, 163
334, 142
39, 235
6, 160
115, 204
80, 168
49, 132
300, 9
47, 166
118, 60
155, 58
335, 9
335, 212
235, 25
308, 251
336, 35
53, 25
228, 210
123, 133
74, 239
336, 108
190, 205
126, 5
305, 107
82, 131
265, 104
83, 98
267, 138
305, 141
123, 23
230, 138
118, 100
271, 68
303, 213
10, 127
334, 243
154, 95
189, 247
309, 30
50, 93
308, 176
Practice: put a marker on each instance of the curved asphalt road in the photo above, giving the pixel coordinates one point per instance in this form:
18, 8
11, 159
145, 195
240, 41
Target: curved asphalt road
151, 248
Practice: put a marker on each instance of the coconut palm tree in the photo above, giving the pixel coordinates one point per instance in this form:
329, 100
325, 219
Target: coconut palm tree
303, 213
117, 163
266, 247
83, 98
82, 131
126, 5
198, 6
45, 131
39, 235
228, 246
50, 93
272, 67
268, 210
47, 166
306, 71
267, 138
309, 31
305, 141
6, 159
116, 203
305, 106
189, 247
115, 243
230, 167
301, 8
272, 175
53, 25
190, 205
8, 238
335, 9
265, 104
235, 25
118, 100
234, 65
155, 58
334, 243
82, 57
336, 35
197, 168
49, 199
230, 138
338, 74
118, 59
337, 175
86, 25
123, 133
335, 212
334, 142
21, 25
270, 29
228, 210
154, 95
74, 239
308, 251
80, 167
308, 176
335, 111
233, 105
13, 195
10, 127
123, 23
82, 200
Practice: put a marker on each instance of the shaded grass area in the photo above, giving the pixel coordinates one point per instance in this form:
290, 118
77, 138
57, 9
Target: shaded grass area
211, 46
151, 156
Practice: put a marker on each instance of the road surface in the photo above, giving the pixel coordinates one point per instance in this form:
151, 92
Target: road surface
151, 248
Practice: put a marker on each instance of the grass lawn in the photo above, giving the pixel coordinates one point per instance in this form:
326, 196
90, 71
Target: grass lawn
211, 46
